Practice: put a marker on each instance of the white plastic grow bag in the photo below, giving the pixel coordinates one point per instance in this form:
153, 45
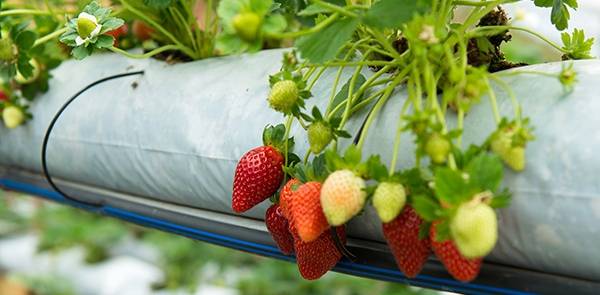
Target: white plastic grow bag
176, 133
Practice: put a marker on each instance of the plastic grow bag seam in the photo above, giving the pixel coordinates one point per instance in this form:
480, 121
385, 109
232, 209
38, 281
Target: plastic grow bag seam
265, 250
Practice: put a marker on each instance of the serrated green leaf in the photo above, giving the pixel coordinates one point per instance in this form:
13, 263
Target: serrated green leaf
24, 66
158, 4
543, 3
376, 169
501, 200
275, 23
352, 155
560, 15
80, 52
426, 207
392, 14
486, 172
104, 41
343, 93
230, 43
323, 46
261, 7
227, 10
314, 9
451, 187
110, 24
25, 40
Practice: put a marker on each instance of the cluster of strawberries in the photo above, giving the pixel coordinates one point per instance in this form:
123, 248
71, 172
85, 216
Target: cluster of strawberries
308, 214
297, 223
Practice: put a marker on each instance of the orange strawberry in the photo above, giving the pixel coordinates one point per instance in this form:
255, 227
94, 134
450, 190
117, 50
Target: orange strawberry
319, 256
286, 194
461, 268
305, 212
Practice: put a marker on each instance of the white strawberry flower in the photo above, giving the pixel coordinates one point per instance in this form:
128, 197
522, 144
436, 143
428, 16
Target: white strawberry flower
87, 28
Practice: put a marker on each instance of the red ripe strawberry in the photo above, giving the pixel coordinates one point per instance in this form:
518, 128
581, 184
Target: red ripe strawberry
278, 226
3, 96
118, 32
402, 235
286, 194
319, 256
257, 176
306, 213
461, 268
141, 30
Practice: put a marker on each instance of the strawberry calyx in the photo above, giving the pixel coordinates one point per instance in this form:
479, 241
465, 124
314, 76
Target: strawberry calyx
274, 136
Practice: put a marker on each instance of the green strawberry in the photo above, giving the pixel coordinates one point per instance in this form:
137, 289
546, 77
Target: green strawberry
514, 158
342, 196
13, 116
7, 49
319, 136
247, 25
437, 148
474, 229
284, 95
389, 199
502, 144
85, 27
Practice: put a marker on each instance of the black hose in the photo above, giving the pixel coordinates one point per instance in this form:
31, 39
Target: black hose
53, 122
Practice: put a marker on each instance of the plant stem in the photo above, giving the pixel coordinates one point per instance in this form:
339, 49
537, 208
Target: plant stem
493, 30
398, 136
478, 3
461, 119
49, 37
386, 95
288, 125
511, 94
335, 8
145, 55
311, 30
160, 28
24, 12
493, 101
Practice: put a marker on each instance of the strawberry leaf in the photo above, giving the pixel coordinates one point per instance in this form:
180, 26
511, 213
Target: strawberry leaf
426, 207
323, 46
451, 187
393, 14
342, 95
485, 171
501, 200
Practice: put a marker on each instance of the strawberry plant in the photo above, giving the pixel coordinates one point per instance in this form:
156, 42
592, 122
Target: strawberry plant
446, 202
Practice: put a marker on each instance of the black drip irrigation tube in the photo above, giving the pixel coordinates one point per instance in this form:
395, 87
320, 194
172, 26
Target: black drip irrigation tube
51, 127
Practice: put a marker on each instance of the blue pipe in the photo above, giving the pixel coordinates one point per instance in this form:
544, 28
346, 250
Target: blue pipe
343, 266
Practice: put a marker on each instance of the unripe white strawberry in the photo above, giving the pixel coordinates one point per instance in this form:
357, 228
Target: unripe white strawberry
12, 116
283, 96
474, 229
389, 199
247, 25
342, 196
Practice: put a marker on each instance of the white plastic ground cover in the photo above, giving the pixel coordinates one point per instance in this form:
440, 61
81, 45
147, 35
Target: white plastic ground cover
176, 133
